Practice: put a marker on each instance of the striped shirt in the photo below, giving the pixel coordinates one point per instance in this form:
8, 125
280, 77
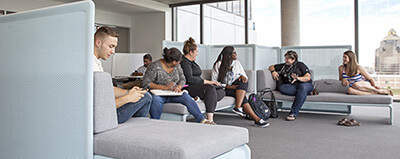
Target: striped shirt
353, 79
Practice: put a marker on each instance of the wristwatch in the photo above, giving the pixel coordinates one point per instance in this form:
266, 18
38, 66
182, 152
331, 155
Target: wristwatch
272, 71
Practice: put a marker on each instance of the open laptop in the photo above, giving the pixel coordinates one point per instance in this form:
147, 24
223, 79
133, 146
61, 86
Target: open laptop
46, 88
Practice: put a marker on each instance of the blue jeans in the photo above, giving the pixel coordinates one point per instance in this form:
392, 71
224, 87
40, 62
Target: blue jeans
158, 103
298, 89
138, 109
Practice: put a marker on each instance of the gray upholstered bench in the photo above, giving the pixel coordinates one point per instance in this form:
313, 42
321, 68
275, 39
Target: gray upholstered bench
331, 93
177, 111
148, 138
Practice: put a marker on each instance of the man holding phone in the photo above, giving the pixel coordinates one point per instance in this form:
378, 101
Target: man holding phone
129, 103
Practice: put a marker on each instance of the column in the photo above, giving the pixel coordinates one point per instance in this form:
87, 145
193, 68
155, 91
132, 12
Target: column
290, 23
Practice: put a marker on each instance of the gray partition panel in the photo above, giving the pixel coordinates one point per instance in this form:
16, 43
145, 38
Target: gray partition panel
46, 88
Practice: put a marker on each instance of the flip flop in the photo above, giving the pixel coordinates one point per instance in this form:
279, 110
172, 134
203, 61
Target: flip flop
291, 117
352, 122
341, 122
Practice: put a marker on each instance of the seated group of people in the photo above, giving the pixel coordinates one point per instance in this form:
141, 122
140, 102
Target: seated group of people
177, 72
294, 79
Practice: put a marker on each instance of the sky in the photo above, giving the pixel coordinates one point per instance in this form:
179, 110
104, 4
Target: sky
327, 22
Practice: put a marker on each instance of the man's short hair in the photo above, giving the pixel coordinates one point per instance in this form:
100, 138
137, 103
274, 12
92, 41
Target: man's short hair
148, 56
102, 32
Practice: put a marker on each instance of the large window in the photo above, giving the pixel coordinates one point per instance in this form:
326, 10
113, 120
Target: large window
326, 22
266, 25
224, 23
188, 22
379, 43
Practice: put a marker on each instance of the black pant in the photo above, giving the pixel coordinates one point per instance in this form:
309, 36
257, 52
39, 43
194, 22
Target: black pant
208, 93
240, 85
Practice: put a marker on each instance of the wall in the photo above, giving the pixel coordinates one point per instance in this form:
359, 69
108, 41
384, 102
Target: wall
148, 31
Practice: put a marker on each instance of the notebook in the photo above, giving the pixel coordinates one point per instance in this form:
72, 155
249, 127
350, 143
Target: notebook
160, 92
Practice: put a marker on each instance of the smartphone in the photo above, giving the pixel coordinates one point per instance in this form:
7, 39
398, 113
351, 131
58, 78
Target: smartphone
144, 88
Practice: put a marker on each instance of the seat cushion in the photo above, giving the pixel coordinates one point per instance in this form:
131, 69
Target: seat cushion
178, 108
338, 98
149, 138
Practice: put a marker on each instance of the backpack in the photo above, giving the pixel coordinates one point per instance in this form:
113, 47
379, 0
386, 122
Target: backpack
271, 102
258, 106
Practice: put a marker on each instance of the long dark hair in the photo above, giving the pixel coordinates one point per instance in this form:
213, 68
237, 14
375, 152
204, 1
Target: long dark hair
352, 65
226, 59
172, 54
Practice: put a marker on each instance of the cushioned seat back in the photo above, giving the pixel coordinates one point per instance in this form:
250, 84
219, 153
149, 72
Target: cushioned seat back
105, 113
206, 74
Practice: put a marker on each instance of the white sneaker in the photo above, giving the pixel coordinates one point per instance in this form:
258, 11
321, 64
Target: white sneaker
261, 123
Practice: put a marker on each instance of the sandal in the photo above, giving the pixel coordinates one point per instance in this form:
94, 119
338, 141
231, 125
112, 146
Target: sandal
314, 92
291, 117
352, 122
341, 122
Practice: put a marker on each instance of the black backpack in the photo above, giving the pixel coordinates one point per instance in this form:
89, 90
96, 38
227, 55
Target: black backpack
258, 106
271, 102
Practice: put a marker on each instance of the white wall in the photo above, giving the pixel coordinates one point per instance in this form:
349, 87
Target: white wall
148, 31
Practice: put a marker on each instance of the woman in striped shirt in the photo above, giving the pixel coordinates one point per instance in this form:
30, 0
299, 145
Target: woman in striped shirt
357, 78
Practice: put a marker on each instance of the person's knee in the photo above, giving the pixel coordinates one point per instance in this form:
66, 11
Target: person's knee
242, 85
209, 89
356, 85
147, 97
157, 100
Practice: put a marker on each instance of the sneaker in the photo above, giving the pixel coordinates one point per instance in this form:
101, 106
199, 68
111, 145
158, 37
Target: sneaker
261, 123
239, 112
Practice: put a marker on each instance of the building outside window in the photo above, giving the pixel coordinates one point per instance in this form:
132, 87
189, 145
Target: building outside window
379, 44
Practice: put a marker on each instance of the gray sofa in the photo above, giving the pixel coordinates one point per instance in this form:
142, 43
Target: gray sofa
148, 138
176, 111
331, 93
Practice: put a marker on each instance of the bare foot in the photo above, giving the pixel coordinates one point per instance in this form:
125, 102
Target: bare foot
390, 92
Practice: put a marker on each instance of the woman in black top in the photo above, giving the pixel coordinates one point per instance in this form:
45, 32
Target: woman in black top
294, 79
202, 88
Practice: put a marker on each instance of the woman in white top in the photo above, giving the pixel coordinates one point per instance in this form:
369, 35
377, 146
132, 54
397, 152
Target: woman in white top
230, 73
